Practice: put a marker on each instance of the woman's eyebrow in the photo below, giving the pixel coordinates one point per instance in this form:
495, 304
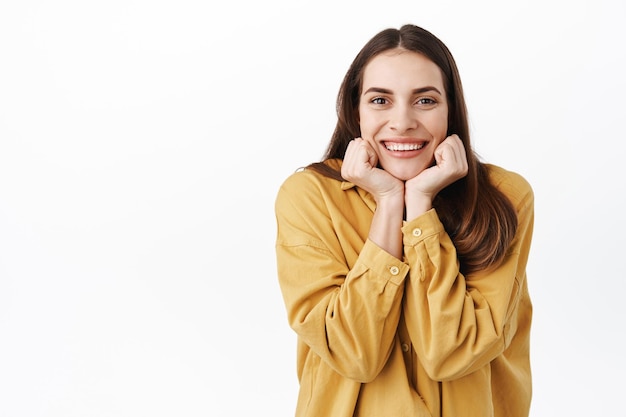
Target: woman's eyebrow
378, 90
415, 91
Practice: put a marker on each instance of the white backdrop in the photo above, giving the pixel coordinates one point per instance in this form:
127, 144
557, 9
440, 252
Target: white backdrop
141, 147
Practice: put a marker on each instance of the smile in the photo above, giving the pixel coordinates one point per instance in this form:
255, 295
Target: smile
404, 146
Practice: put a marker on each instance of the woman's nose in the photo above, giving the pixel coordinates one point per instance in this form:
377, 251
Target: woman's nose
403, 118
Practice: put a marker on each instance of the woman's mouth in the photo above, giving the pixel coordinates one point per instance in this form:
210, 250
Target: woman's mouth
403, 147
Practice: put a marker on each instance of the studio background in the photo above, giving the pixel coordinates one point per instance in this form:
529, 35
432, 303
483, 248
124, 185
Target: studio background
142, 144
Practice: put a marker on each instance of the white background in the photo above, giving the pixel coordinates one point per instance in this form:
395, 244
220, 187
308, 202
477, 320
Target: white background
142, 144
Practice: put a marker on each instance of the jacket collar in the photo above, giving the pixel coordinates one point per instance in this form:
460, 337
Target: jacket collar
365, 196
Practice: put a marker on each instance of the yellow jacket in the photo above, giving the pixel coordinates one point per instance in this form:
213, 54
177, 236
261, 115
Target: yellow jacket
383, 337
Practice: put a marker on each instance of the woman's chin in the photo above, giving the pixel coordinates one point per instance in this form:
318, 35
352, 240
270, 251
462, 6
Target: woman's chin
404, 174
404, 170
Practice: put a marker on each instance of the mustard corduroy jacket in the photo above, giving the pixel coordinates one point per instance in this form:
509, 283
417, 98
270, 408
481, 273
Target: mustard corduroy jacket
384, 337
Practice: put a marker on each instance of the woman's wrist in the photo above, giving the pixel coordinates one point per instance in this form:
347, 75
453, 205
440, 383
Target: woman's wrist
417, 204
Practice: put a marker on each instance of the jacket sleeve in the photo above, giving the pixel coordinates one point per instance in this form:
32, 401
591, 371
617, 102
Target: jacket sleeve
458, 324
346, 314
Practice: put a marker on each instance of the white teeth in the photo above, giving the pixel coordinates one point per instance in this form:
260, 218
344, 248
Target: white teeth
404, 146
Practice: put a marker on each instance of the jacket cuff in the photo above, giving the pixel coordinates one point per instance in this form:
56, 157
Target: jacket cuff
418, 229
383, 264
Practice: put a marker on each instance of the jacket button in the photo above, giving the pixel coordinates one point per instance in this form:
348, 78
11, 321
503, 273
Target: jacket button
417, 232
394, 270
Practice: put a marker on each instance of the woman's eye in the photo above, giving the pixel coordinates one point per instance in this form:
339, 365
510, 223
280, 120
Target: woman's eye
379, 100
426, 101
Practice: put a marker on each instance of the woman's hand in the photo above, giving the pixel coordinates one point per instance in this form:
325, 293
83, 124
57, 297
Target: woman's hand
450, 165
360, 167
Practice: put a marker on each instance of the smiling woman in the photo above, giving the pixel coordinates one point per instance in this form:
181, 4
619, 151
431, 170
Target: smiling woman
402, 257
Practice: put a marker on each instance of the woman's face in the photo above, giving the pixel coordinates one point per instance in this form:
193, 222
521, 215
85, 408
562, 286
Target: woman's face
403, 111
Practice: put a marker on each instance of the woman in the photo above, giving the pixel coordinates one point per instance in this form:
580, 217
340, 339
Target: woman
401, 256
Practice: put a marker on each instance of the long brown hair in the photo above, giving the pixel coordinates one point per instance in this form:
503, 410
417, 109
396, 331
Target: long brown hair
478, 217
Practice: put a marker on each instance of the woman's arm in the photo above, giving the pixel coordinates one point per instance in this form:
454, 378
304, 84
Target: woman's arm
346, 310
458, 324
